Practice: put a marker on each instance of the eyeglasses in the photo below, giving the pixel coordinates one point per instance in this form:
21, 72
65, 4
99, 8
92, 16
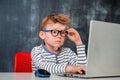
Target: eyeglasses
54, 33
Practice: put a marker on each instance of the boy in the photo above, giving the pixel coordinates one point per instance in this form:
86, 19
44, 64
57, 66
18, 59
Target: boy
50, 55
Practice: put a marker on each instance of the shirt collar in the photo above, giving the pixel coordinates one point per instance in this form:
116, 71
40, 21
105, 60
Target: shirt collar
52, 53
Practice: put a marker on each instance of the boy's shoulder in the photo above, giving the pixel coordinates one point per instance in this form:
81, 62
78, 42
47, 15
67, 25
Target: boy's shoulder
37, 48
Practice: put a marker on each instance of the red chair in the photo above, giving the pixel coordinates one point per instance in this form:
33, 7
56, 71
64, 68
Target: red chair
23, 62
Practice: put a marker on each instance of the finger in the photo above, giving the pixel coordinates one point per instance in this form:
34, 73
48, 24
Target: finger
80, 71
71, 33
71, 30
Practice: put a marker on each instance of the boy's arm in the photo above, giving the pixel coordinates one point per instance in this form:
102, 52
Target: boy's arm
40, 63
78, 58
82, 59
74, 36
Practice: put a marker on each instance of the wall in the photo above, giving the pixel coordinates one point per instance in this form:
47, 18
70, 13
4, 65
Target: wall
19, 22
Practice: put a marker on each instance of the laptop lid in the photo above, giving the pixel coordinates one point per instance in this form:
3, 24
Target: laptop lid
103, 49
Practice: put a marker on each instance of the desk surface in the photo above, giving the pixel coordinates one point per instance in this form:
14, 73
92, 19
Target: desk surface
31, 76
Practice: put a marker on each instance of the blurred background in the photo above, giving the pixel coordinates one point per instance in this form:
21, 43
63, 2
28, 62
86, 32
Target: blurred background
20, 22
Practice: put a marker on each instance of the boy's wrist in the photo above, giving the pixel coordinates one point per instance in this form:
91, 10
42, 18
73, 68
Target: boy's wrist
78, 43
70, 69
80, 46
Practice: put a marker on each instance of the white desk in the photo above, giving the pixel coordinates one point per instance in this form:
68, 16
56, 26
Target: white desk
31, 76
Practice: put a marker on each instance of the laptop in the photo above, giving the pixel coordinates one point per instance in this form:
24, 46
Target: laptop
103, 51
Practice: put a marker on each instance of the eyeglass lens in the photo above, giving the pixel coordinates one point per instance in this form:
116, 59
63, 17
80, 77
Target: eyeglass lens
56, 32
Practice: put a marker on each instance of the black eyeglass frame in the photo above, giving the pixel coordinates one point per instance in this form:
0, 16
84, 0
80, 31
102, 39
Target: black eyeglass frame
63, 33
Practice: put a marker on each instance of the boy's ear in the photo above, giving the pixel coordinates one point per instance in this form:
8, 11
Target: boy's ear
42, 35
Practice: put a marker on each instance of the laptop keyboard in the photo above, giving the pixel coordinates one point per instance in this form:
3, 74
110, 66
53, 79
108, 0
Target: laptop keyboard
73, 75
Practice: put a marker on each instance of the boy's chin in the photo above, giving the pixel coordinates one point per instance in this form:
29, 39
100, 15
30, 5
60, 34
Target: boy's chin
56, 48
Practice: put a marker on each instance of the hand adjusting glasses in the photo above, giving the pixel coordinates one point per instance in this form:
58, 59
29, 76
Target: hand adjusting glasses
54, 33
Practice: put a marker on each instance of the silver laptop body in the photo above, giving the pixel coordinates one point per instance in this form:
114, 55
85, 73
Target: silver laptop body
103, 51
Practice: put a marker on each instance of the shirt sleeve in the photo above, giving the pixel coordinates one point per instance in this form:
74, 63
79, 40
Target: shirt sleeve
82, 59
78, 58
41, 63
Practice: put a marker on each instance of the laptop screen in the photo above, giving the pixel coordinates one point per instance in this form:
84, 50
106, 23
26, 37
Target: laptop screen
103, 49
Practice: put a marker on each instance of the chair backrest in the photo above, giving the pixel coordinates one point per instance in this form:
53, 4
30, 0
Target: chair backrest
23, 62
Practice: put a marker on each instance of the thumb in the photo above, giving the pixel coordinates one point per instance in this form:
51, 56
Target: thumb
81, 71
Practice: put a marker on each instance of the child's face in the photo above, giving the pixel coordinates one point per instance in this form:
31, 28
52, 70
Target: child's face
52, 41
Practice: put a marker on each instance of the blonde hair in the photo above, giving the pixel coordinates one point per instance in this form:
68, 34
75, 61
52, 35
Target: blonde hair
55, 18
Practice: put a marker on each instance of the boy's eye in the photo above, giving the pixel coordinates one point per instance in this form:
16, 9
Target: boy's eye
54, 31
